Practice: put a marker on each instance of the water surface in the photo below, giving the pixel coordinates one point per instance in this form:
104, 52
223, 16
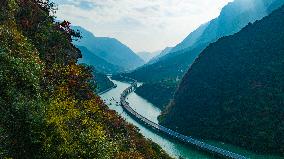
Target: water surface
172, 147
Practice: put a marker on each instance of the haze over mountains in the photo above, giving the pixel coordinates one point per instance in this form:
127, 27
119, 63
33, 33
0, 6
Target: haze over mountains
161, 54
223, 82
100, 64
233, 17
147, 56
234, 90
109, 49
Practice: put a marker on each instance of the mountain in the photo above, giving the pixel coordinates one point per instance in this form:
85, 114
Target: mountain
233, 17
100, 64
147, 56
109, 49
48, 107
234, 91
102, 82
161, 54
149, 92
191, 39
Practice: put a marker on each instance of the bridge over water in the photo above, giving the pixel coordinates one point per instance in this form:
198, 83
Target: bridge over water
175, 135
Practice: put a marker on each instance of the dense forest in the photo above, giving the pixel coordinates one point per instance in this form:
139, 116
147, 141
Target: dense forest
48, 109
233, 17
234, 91
102, 82
149, 92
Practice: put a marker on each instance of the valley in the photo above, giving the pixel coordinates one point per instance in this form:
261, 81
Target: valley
173, 79
151, 112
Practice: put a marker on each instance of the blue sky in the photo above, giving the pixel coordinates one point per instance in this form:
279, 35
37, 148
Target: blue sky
143, 25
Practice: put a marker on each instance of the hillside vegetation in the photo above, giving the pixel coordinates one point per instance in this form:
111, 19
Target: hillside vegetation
234, 91
233, 17
48, 109
149, 92
103, 83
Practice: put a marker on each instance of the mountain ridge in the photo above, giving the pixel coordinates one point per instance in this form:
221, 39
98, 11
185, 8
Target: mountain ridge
110, 49
234, 90
99, 63
173, 65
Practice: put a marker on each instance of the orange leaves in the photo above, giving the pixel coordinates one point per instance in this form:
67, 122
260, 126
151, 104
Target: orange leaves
50, 96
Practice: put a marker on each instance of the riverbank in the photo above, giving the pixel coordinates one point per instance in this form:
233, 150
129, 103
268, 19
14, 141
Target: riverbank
158, 94
102, 83
172, 147
102, 92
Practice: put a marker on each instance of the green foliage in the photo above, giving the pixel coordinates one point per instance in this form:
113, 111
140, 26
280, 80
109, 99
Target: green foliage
47, 105
20, 100
233, 17
102, 82
234, 90
159, 93
163, 74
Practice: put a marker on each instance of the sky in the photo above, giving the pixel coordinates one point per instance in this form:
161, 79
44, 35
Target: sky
143, 25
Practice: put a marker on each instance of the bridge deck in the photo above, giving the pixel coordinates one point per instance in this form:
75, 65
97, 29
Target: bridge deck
187, 139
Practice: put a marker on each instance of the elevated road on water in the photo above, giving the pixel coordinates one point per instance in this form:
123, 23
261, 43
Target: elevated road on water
175, 135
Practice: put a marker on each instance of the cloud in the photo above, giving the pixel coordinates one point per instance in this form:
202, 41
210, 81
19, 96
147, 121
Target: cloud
141, 24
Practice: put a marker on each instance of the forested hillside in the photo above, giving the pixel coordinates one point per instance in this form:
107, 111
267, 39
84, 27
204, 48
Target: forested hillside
102, 82
48, 109
149, 92
234, 91
233, 18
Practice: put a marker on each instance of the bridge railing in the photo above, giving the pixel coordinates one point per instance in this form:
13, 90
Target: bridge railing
187, 139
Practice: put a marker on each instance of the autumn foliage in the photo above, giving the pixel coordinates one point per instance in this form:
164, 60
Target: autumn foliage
47, 106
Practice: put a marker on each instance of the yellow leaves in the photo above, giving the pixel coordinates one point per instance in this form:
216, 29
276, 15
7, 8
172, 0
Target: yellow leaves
62, 107
74, 125
13, 41
91, 106
12, 6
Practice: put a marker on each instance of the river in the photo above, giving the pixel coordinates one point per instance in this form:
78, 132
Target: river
148, 110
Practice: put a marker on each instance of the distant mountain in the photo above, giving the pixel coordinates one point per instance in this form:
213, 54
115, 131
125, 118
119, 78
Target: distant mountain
234, 91
161, 54
100, 64
191, 39
233, 17
147, 56
109, 49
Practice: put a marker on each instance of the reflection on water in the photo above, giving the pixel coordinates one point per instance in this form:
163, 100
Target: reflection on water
145, 108
151, 112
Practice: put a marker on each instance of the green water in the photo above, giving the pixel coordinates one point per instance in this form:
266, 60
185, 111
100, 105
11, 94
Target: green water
172, 147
